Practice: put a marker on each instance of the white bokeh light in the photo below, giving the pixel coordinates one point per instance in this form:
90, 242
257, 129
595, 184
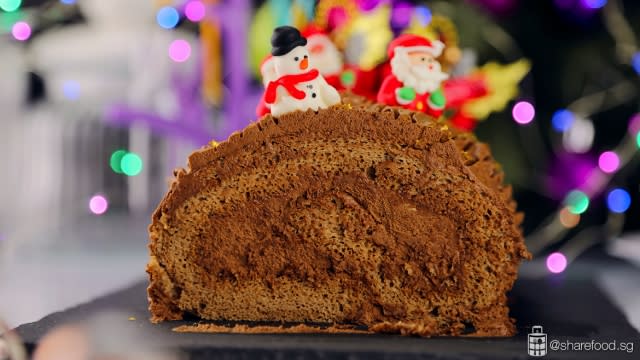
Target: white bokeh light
579, 138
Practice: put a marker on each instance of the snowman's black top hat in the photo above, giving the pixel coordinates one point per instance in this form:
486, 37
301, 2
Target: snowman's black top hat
285, 39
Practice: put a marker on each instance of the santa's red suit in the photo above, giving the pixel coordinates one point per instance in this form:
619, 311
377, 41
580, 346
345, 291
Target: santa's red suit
387, 95
397, 91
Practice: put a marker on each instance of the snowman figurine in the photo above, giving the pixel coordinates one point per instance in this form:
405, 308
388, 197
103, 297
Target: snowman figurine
298, 85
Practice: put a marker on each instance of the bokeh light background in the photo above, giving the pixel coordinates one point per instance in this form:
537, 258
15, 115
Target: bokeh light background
101, 100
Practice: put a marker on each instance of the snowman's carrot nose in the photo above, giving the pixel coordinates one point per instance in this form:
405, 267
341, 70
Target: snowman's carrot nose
304, 64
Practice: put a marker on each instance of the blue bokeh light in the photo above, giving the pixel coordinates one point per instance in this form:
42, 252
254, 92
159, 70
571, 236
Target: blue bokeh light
424, 15
618, 200
562, 120
71, 90
635, 62
168, 17
594, 4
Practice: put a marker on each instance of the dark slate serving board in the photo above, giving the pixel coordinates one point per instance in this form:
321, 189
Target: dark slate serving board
567, 308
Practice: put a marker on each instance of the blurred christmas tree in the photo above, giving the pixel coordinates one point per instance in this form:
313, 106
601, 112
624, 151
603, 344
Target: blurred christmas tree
567, 142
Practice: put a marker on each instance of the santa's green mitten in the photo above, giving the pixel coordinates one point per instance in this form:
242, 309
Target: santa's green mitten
437, 99
405, 95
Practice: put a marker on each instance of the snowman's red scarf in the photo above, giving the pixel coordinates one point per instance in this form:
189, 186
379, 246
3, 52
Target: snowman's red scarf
289, 82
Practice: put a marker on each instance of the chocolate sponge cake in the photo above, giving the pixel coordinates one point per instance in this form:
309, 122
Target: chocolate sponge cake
358, 214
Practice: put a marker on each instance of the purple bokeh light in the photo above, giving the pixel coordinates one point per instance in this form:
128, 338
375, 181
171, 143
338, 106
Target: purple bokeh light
567, 172
580, 11
593, 4
401, 14
367, 5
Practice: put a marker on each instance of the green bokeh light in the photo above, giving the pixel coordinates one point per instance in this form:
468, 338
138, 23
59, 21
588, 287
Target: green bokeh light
638, 139
10, 5
348, 78
116, 160
131, 164
577, 202
7, 19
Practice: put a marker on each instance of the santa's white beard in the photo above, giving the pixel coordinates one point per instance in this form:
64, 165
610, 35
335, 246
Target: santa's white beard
418, 77
329, 61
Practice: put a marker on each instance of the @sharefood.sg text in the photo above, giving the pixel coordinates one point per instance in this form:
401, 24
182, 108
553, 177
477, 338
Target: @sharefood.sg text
593, 345
540, 344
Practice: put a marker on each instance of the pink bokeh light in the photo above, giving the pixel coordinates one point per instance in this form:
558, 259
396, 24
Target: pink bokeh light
21, 31
337, 17
523, 112
609, 161
195, 10
634, 124
556, 262
98, 204
180, 50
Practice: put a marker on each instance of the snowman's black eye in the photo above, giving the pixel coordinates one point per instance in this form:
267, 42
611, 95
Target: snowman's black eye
306, 56
422, 59
296, 58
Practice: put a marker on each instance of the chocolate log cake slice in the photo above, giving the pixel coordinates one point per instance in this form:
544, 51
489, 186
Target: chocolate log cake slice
358, 214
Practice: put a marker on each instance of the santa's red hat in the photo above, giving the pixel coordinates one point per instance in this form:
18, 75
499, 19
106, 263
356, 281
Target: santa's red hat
415, 43
313, 29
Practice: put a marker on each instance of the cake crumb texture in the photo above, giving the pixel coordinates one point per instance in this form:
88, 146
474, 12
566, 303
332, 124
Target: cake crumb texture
268, 329
358, 214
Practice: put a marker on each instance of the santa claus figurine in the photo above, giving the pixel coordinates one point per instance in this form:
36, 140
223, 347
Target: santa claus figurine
416, 75
298, 85
326, 56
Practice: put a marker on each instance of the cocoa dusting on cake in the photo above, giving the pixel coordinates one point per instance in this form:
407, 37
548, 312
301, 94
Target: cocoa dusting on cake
361, 214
